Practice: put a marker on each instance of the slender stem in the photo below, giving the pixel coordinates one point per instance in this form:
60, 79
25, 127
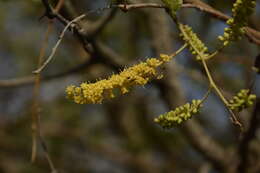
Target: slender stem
215, 53
35, 105
207, 94
179, 50
212, 83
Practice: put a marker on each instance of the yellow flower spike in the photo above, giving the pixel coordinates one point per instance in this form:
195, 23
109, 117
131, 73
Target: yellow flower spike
165, 58
70, 89
179, 115
193, 41
153, 62
241, 11
140, 74
242, 100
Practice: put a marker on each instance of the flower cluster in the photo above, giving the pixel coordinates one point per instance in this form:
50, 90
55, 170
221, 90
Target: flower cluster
180, 114
241, 10
242, 100
139, 74
195, 44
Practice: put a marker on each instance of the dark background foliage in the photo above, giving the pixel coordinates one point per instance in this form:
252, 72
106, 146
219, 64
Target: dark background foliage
120, 135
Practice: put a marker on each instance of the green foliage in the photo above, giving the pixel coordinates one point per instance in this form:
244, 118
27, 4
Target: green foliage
179, 115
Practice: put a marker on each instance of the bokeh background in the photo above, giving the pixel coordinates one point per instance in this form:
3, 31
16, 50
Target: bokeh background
118, 135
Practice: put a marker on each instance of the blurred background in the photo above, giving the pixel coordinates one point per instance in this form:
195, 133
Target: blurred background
120, 135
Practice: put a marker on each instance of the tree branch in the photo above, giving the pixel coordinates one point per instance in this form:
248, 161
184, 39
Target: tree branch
173, 95
252, 34
249, 135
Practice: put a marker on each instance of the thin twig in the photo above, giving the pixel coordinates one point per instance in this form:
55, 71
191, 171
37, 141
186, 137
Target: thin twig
54, 49
45, 148
212, 82
127, 7
249, 135
253, 35
36, 129
179, 50
206, 94
59, 5
35, 106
